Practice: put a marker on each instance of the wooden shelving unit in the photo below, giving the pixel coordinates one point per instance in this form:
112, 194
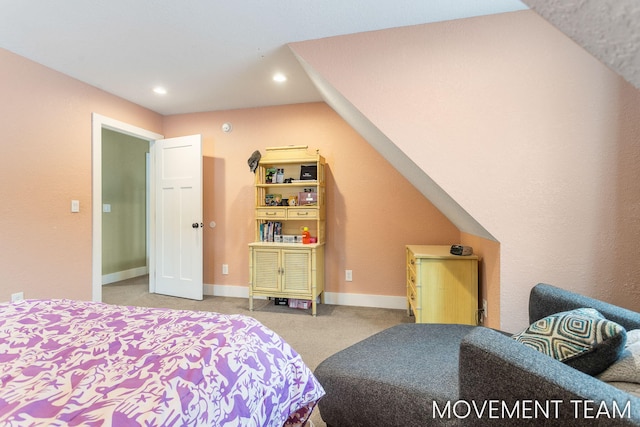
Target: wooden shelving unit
281, 266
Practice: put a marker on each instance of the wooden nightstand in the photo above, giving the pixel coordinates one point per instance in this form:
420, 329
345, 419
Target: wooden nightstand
441, 288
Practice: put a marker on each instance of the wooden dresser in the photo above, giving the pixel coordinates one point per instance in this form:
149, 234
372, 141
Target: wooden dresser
441, 288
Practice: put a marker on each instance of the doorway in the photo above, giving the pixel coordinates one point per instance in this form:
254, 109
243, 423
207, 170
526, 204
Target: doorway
99, 123
125, 206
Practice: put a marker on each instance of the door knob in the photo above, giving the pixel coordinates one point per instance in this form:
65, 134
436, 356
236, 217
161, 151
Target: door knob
196, 225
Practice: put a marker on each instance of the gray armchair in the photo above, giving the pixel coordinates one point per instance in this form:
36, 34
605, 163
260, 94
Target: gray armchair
432, 374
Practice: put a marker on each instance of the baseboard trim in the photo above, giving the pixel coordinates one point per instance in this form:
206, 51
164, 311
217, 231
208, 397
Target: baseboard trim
226, 291
124, 275
365, 300
334, 298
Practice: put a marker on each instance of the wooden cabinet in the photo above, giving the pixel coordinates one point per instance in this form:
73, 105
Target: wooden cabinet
280, 265
441, 288
278, 270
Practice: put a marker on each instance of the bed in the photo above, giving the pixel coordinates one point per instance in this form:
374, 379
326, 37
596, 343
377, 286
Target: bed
65, 362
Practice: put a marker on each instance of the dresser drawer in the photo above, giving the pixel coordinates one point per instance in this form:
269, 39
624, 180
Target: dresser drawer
411, 278
302, 213
413, 300
271, 213
411, 260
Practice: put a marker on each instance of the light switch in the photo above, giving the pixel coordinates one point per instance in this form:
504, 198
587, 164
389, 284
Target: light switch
106, 207
75, 206
348, 275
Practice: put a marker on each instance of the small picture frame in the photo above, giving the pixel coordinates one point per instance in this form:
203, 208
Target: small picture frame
273, 200
308, 172
270, 175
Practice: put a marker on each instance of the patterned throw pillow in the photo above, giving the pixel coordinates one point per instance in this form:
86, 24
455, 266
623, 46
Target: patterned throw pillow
581, 338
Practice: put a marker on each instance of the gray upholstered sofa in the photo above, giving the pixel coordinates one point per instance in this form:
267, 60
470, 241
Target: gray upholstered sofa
433, 374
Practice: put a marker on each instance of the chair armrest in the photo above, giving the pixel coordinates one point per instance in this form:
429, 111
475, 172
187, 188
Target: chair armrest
545, 300
495, 368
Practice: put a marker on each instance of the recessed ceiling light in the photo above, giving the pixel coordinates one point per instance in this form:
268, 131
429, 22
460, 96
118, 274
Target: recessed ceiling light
160, 90
279, 77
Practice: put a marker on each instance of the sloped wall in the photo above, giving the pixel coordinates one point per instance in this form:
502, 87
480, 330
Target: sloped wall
526, 132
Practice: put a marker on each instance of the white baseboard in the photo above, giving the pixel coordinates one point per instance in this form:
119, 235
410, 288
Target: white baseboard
365, 300
124, 275
227, 291
334, 298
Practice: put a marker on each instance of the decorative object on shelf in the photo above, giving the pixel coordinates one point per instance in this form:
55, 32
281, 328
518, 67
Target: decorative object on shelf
270, 175
308, 198
306, 236
308, 172
254, 160
273, 200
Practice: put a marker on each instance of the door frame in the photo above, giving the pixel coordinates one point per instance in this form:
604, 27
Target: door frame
99, 122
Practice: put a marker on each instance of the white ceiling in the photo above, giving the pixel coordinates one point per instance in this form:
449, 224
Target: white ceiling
209, 54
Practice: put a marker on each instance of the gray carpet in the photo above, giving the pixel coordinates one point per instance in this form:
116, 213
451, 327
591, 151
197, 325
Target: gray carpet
315, 338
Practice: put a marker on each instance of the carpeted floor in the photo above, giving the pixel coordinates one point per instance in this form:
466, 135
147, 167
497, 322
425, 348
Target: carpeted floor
315, 338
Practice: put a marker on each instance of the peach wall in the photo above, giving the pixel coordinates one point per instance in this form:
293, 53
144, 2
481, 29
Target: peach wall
45, 162
527, 132
488, 252
372, 211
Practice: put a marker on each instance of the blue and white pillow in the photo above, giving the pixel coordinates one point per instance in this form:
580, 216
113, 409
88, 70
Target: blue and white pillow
581, 338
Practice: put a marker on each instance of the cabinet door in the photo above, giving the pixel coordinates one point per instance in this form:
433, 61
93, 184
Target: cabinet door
297, 270
266, 269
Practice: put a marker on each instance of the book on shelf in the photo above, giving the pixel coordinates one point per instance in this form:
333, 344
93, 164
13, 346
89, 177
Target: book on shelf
270, 229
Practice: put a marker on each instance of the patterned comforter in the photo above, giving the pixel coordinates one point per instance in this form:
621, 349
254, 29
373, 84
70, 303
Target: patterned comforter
67, 362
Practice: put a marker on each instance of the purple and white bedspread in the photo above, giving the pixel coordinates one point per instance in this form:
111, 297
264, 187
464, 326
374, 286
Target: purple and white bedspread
82, 363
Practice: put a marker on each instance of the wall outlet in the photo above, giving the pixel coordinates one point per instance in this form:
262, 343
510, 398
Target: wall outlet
348, 275
18, 296
485, 311
225, 268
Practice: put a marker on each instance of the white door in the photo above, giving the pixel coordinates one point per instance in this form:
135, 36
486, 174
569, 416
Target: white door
177, 190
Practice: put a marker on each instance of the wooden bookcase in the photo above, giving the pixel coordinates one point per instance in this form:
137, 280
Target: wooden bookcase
280, 265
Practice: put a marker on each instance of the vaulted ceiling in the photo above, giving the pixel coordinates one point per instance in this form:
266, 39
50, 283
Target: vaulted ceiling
209, 55
222, 55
